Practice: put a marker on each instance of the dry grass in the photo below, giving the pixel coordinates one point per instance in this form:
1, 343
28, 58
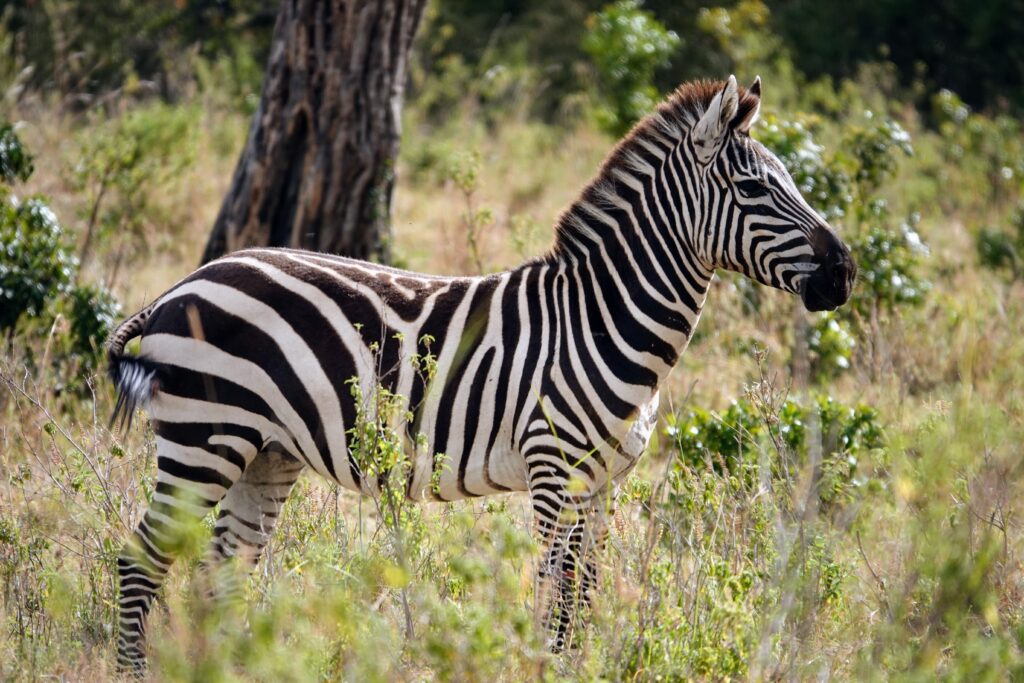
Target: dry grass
926, 551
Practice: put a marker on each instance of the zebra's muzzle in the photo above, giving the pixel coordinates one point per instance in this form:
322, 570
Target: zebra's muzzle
830, 286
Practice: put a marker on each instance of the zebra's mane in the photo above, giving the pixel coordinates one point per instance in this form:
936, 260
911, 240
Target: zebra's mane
663, 128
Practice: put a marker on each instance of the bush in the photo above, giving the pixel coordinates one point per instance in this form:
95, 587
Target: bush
122, 162
15, 161
888, 264
1004, 250
93, 313
845, 187
38, 271
986, 151
35, 264
733, 441
831, 344
626, 45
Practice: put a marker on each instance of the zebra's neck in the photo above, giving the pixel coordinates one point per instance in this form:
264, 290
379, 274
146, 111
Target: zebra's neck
633, 275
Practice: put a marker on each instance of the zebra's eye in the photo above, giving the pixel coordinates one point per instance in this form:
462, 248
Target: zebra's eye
751, 188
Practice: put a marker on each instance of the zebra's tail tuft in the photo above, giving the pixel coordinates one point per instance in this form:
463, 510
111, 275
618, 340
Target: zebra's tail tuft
136, 383
134, 377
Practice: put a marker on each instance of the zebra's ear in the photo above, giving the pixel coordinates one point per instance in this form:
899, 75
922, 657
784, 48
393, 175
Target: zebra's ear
749, 109
714, 124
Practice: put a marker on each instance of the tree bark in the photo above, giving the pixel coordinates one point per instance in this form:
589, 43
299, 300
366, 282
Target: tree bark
318, 168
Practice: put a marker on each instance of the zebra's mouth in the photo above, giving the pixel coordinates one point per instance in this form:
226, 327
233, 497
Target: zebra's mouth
831, 283
817, 298
829, 286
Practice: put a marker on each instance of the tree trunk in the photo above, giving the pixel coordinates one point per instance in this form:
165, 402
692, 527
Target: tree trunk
318, 169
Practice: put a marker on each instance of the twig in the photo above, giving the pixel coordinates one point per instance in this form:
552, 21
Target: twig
879, 582
74, 444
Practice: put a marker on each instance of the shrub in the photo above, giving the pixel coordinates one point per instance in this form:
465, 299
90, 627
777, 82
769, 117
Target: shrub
1004, 250
845, 186
626, 45
122, 162
38, 269
888, 265
35, 264
873, 151
986, 152
92, 314
15, 161
733, 441
831, 345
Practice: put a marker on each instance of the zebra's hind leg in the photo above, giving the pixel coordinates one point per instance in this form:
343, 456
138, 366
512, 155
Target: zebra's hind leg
574, 532
246, 522
191, 480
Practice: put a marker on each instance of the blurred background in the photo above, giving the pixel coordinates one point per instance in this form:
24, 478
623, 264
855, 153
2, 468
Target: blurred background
828, 496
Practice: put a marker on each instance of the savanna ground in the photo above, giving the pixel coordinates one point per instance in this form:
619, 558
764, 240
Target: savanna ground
832, 496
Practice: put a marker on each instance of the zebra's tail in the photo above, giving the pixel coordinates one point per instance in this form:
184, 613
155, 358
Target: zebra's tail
134, 377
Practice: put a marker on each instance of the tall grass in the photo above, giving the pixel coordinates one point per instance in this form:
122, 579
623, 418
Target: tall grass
713, 571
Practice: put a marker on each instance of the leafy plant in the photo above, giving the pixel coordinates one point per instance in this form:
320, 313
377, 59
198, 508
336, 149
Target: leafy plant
845, 187
35, 263
831, 344
92, 314
873, 153
37, 270
734, 440
464, 173
887, 262
626, 45
122, 163
1002, 249
989, 149
15, 161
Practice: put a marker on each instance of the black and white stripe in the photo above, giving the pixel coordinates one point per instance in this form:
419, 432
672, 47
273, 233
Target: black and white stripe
547, 375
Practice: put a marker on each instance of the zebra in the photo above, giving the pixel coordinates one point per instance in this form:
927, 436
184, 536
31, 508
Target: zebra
546, 376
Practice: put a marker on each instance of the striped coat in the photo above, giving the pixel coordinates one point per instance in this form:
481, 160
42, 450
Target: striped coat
543, 378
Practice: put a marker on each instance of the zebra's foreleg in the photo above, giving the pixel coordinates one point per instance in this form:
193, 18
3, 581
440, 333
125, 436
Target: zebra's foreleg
599, 512
190, 482
573, 540
248, 515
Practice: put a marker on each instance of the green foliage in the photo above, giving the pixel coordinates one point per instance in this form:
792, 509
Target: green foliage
35, 263
626, 45
985, 151
78, 49
873, 150
887, 258
888, 264
35, 266
831, 344
93, 313
740, 32
734, 441
708, 625
15, 161
463, 171
121, 164
1002, 249
38, 272
957, 44
845, 186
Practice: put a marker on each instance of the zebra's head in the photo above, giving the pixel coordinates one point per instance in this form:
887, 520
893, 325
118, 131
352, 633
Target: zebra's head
755, 221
